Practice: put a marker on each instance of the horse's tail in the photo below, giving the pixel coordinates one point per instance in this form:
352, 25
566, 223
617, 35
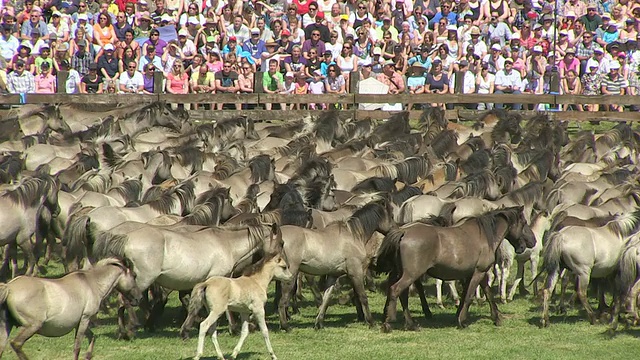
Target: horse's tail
4, 293
557, 221
552, 254
75, 238
388, 256
195, 304
628, 270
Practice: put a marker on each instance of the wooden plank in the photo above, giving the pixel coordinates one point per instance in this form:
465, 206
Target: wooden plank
259, 115
209, 98
307, 99
454, 98
598, 99
10, 99
158, 79
581, 116
90, 98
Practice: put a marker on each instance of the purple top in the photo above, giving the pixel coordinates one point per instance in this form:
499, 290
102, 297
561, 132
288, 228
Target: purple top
160, 45
308, 44
148, 83
297, 65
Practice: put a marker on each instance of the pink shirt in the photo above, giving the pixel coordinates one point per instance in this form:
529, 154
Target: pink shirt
178, 83
45, 84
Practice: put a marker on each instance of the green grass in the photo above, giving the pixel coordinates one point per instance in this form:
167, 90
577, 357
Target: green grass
569, 337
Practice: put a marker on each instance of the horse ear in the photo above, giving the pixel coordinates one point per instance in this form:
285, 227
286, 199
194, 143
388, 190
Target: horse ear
140, 177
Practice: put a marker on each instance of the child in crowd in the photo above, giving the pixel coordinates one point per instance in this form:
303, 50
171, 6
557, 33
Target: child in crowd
316, 86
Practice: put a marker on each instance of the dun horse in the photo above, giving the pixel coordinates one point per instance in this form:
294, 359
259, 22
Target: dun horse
465, 252
54, 307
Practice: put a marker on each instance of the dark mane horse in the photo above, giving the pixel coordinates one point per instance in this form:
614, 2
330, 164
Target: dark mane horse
464, 252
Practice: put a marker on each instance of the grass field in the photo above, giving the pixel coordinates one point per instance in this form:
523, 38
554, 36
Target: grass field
569, 337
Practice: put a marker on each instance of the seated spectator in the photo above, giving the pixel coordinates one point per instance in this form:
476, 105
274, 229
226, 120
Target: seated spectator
569, 62
326, 62
44, 57
288, 88
313, 63
214, 63
20, 81
34, 24
296, 62
485, 83
132, 81
103, 33
245, 79
91, 83
143, 29
121, 26
231, 47
61, 52
316, 86
151, 58
613, 84
45, 81
226, 82
437, 82
148, 79
177, 79
390, 77
36, 42
301, 88
59, 27
255, 46
570, 85
171, 54
463, 81
495, 59
108, 64
335, 82
156, 42
508, 81
415, 80
128, 42
72, 85
81, 59
9, 44
272, 80
591, 84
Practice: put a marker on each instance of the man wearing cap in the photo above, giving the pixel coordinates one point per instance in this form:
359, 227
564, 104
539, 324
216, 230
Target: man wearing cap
43, 57
591, 20
614, 84
255, 47
20, 81
423, 58
82, 58
8, 43
498, 31
318, 25
238, 30
108, 64
479, 47
151, 57
462, 81
508, 81
35, 22
187, 48
391, 78
495, 60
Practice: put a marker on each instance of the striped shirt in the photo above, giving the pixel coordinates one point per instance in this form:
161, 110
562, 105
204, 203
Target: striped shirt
21, 83
614, 87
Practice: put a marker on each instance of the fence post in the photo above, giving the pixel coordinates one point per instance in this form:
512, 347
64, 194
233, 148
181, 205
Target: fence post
257, 86
61, 81
554, 85
158, 78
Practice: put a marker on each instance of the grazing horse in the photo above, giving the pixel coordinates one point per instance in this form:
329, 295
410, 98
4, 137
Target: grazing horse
246, 295
465, 252
19, 218
588, 253
54, 307
339, 248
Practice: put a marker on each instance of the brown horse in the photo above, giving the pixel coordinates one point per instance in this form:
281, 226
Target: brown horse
464, 252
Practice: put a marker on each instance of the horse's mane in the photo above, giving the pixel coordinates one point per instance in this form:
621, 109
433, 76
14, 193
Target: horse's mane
326, 126
315, 192
225, 127
501, 155
530, 193
28, 193
109, 245
206, 214
129, 189
226, 166
165, 201
508, 124
312, 170
476, 184
505, 175
11, 165
487, 222
296, 145
296, 217
261, 168
92, 180
626, 224
618, 177
399, 197
189, 155
477, 161
375, 184
475, 143
396, 126
444, 141
450, 171
359, 129
87, 160
365, 220
413, 168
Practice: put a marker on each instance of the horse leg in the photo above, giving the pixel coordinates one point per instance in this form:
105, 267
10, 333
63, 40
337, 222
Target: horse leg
504, 276
495, 314
24, 334
356, 273
258, 314
394, 291
562, 308
534, 272
581, 287
423, 299
80, 334
28, 251
243, 334
92, 342
519, 283
5, 329
439, 293
549, 285
464, 306
283, 305
331, 282
454, 292
408, 321
207, 323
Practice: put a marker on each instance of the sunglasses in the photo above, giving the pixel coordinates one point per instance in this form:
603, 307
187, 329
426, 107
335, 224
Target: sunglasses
361, 7
330, 70
130, 67
19, 65
226, 66
347, 47
151, 69
315, 34
246, 68
155, 35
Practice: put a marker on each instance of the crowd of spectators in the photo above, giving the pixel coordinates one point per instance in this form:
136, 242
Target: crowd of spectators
302, 46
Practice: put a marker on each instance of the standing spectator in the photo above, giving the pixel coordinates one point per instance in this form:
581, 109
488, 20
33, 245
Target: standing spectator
613, 84
301, 88
415, 81
45, 81
316, 86
347, 62
73, 78
591, 84
35, 22
437, 81
108, 64
288, 88
91, 83
131, 81
485, 82
465, 79
245, 79
226, 81
20, 81
81, 59
177, 79
508, 81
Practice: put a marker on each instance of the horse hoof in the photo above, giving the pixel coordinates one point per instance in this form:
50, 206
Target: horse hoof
386, 328
544, 323
504, 301
441, 306
498, 322
412, 327
318, 326
285, 328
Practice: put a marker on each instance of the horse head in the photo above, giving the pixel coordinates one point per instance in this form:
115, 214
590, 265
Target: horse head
387, 221
127, 284
519, 234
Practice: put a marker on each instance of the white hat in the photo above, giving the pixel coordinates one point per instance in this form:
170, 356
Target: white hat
82, 17
570, 13
389, 62
537, 48
56, 13
592, 63
496, 47
183, 32
193, 20
255, 31
318, 72
289, 74
515, 36
166, 17
614, 65
109, 47
598, 49
452, 28
377, 51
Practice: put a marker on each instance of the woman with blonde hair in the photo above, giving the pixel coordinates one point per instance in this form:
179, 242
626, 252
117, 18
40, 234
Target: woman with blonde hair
177, 79
347, 62
59, 26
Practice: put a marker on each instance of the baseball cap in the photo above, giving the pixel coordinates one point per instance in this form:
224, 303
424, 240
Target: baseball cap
508, 60
328, 53
81, 43
320, 15
109, 47
285, 32
82, 17
289, 74
377, 51
93, 66
183, 32
614, 65
537, 48
496, 47
232, 38
255, 31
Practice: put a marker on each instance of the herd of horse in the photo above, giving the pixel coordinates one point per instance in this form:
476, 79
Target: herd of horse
142, 200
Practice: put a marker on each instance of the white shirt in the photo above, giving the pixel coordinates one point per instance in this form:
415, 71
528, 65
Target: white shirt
514, 79
131, 82
73, 82
468, 84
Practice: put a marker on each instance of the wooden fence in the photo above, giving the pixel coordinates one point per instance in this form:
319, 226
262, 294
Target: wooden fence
349, 102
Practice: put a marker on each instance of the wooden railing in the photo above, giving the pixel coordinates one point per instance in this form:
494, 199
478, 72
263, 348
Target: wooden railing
349, 102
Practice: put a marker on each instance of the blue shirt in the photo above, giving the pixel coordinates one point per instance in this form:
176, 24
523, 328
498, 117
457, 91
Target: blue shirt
426, 62
256, 49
